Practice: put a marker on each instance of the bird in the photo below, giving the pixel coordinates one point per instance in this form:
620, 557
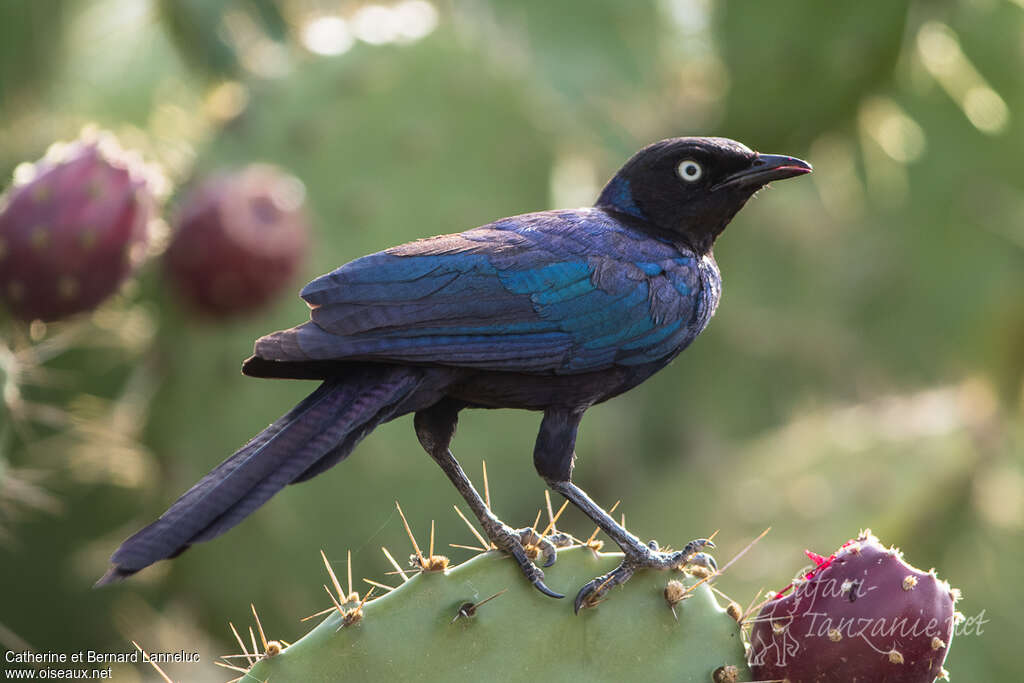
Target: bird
553, 311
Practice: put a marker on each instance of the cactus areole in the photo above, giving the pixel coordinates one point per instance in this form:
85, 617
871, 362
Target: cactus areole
73, 226
862, 615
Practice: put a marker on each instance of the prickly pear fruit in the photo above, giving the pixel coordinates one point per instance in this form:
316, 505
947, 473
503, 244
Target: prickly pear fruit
862, 615
239, 238
73, 226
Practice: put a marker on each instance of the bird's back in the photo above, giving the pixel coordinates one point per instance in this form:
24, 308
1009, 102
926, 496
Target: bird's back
555, 292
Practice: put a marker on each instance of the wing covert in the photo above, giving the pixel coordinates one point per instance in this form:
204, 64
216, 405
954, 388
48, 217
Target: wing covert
562, 292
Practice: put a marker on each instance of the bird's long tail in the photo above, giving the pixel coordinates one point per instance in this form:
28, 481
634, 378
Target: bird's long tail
316, 434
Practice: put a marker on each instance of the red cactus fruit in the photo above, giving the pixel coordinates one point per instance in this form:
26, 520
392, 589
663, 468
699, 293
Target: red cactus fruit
862, 615
239, 239
73, 226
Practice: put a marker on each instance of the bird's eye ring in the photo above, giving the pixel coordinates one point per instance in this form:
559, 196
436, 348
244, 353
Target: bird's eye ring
689, 170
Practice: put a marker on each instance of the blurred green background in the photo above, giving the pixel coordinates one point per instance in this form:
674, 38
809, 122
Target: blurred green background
864, 368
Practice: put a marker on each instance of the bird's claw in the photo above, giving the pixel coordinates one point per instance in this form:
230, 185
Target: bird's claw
703, 560
536, 545
539, 585
593, 592
543, 546
522, 543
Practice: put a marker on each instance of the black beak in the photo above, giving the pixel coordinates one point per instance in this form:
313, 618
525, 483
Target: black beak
765, 169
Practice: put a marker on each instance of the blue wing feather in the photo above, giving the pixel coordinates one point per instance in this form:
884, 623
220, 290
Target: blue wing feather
563, 292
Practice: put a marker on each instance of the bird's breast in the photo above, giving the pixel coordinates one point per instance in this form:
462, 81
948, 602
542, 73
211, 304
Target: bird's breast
711, 290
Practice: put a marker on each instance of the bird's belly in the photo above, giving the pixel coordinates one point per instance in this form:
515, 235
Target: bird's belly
538, 392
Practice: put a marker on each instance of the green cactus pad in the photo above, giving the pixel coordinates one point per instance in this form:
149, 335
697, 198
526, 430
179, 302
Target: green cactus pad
521, 635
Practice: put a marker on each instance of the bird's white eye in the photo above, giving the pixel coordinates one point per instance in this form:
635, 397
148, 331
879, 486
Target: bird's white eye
690, 171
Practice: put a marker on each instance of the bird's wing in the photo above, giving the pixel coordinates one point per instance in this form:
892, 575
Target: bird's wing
562, 292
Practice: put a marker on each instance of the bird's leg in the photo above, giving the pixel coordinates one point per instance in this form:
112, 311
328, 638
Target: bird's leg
435, 428
637, 555
553, 458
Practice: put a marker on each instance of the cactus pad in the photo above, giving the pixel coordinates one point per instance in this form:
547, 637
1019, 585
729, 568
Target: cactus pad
436, 627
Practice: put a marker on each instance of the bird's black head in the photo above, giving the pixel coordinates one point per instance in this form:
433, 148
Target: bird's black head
688, 189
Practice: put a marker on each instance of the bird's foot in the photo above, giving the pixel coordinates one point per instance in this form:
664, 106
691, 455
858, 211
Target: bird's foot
650, 556
526, 545
537, 546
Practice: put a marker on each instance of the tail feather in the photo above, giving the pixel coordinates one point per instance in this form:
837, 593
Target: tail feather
319, 432
373, 407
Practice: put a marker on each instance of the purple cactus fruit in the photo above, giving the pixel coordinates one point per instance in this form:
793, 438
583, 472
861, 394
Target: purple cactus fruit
73, 226
862, 615
239, 239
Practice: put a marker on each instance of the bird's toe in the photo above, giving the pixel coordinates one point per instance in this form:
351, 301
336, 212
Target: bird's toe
593, 593
540, 585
